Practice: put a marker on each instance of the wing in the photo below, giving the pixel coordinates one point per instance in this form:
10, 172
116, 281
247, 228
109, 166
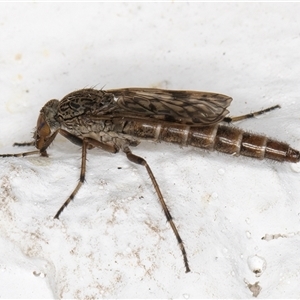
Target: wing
184, 107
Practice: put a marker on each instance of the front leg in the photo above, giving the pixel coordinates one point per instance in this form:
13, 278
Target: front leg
86, 143
80, 183
24, 144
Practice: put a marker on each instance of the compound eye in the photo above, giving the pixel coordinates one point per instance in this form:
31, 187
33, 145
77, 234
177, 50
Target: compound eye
42, 132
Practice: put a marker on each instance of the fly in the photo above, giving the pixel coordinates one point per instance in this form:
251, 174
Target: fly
115, 120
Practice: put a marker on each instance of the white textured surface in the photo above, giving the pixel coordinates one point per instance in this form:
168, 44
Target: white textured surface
113, 240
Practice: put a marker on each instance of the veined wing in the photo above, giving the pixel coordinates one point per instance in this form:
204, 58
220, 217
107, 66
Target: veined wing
185, 107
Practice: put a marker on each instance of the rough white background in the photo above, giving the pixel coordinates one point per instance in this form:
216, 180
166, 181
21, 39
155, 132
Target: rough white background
113, 240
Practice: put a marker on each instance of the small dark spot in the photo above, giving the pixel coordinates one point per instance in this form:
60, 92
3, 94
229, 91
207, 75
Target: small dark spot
74, 105
152, 107
169, 118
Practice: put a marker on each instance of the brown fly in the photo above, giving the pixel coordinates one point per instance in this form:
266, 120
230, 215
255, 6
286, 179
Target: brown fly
115, 120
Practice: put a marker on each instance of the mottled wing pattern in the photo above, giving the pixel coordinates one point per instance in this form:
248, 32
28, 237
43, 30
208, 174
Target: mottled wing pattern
186, 107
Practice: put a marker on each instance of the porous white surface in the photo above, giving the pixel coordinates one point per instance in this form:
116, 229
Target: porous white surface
239, 218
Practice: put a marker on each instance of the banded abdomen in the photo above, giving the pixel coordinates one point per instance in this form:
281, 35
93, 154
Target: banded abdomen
222, 138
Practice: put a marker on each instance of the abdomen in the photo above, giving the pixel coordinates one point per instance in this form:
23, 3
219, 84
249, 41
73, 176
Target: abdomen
225, 139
